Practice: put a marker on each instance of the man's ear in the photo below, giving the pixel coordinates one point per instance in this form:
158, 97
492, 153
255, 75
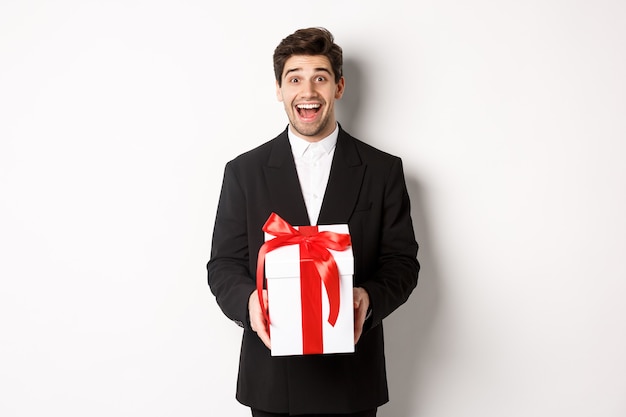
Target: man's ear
341, 86
279, 94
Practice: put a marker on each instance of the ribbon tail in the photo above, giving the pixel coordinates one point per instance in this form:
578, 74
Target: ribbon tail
260, 267
330, 276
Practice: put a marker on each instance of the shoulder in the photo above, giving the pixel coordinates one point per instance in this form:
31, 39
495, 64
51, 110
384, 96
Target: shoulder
261, 153
367, 153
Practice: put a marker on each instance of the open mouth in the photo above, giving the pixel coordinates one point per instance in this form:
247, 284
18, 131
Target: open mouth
308, 111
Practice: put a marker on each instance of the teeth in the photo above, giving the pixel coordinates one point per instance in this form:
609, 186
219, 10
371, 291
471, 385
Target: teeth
308, 106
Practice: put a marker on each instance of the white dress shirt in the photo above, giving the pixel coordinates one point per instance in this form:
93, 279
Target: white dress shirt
313, 161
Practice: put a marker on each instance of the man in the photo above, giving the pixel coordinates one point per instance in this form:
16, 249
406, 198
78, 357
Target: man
351, 183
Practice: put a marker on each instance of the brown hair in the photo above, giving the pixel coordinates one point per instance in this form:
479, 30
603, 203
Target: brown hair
311, 41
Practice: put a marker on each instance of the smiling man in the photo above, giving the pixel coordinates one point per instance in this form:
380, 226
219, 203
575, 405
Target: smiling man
346, 182
308, 88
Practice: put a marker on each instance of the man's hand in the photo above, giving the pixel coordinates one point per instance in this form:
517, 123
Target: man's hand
361, 305
257, 319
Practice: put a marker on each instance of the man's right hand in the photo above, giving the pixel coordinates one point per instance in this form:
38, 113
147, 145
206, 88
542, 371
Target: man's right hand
257, 318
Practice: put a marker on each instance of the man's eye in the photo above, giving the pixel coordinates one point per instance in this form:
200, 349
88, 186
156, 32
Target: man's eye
321, 79
294, 80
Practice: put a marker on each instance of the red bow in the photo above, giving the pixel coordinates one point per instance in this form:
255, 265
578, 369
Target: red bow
316, 262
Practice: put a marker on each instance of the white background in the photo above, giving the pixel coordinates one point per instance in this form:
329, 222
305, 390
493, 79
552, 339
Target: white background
116, 120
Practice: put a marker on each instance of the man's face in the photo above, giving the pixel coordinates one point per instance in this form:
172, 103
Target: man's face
308, 93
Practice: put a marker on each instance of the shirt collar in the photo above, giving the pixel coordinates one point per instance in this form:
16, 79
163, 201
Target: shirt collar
299, 145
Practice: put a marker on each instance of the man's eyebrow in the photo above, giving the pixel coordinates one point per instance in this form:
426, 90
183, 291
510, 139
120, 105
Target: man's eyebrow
320, 69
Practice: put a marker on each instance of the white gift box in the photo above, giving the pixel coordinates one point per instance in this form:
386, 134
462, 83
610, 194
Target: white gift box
282, 271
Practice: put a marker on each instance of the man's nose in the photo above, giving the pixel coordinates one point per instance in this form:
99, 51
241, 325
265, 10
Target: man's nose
308, 89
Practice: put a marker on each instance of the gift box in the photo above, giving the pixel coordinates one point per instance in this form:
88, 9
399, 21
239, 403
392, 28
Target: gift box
309, 311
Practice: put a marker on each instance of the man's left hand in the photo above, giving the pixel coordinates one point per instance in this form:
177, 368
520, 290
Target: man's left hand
361, 305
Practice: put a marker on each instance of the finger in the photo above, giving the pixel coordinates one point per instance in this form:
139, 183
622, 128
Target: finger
357, 334
358, 327
264, 333
361, 305
257, 319
359, 320
264, 294
356, 298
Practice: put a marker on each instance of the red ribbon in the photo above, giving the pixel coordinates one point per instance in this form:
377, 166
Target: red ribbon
317, 266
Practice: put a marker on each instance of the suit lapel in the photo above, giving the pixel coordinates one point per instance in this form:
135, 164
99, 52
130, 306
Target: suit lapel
342, 192
344, 184
283, 184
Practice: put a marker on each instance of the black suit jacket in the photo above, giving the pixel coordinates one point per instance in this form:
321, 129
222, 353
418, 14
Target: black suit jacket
366, 190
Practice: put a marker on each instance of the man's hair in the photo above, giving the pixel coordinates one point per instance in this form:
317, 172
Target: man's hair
310, 41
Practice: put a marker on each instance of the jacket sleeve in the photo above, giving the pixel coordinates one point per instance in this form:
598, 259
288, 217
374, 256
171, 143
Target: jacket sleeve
229, 276
397, 267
